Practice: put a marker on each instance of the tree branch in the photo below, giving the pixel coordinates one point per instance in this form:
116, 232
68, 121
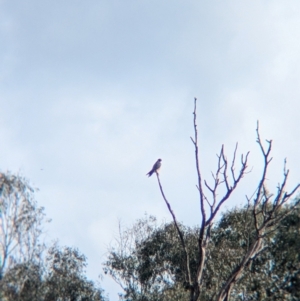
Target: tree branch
265, 216
195, 142
187, 259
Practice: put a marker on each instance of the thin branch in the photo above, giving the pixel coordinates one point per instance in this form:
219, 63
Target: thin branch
237, 272
195, 141
288, 195
266, 163
179, 232
225, 168
208, 187
202, 240
282, 186
230, 190
263, 217
233, 162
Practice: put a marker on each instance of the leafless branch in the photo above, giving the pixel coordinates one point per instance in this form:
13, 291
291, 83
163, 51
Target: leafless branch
266, 213
195, 142
188, 273
229, 188
233, 161
265, 216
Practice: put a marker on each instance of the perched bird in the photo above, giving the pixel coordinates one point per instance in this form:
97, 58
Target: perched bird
155, 168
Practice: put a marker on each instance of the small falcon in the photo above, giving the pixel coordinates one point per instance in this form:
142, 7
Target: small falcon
155, 168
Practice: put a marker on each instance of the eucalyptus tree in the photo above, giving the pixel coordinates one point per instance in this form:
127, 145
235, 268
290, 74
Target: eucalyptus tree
148, 264
59, 277
29, 269
265, 208
21, 222
264, 213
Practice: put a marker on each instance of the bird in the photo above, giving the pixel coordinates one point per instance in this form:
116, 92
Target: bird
155, 168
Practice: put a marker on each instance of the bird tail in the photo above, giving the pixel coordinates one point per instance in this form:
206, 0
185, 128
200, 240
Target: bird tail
149, 174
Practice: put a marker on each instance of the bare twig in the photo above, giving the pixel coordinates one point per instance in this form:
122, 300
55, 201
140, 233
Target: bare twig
265, 216
230, 189
233, 161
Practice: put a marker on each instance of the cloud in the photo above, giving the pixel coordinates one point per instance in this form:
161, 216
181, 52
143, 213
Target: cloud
93, 93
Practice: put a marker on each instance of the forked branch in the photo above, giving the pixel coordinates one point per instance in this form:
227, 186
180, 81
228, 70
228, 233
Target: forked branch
266, 213
222, 171
221, 177
266, 217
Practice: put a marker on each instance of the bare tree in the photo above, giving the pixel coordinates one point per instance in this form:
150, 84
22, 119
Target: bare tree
266, 210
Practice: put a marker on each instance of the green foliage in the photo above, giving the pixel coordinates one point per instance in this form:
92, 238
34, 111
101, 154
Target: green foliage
60, 277
22, 283
27, 274
147, 263
275, 275
65, 279
152, 268
21, 222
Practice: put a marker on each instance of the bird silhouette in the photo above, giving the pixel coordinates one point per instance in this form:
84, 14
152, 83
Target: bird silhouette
155, 168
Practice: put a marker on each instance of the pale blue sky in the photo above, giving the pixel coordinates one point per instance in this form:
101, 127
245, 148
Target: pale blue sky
94, 92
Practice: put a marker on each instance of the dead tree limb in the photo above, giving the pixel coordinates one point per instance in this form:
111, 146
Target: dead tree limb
186, 253
226, 176
266, 215
221, 177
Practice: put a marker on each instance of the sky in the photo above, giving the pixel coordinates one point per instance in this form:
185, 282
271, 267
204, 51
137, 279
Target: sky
93, 92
